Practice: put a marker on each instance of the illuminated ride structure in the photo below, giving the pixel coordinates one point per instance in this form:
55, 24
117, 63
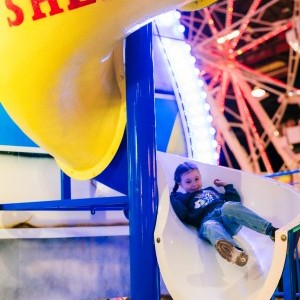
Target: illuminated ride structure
242, 47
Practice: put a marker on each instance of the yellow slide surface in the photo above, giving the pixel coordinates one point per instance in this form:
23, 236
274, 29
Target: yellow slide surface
62, 74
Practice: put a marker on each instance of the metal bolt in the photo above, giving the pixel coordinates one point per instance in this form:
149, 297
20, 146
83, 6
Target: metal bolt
158, 240
283, 237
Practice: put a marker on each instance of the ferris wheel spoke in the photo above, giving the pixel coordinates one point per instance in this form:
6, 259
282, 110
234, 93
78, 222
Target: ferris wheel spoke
250, 130
269, 128
243, 26
215, 80
221, 97
227, 134
251, 73
229, 13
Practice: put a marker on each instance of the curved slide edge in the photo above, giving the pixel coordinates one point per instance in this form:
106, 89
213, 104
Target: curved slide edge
192, 268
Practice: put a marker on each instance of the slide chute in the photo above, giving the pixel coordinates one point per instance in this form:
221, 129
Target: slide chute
62, 76
192, 269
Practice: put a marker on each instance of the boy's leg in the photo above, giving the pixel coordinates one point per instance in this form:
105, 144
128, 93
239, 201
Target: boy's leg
235, 213
213, 231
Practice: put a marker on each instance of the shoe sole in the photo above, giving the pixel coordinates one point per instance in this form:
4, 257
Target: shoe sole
231, 254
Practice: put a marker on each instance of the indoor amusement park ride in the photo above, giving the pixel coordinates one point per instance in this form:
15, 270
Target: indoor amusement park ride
62, 80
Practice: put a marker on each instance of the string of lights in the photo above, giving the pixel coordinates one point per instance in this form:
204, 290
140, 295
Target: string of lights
190, 90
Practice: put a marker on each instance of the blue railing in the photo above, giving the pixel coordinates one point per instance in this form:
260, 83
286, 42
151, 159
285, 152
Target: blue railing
283, 174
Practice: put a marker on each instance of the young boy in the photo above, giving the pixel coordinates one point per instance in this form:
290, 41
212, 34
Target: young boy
217, 216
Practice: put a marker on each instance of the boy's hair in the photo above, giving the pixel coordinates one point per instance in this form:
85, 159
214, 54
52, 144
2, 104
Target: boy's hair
181, 169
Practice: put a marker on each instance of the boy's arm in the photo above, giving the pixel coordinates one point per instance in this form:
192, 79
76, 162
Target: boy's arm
177, 201
231, 194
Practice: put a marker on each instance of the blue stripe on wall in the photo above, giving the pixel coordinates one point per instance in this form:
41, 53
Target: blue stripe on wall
166, 111
10, 133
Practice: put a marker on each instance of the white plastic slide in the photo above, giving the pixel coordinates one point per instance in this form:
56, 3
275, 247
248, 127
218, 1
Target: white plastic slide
193, 270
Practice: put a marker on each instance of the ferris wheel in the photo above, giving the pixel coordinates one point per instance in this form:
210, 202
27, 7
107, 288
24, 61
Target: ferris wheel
242, 48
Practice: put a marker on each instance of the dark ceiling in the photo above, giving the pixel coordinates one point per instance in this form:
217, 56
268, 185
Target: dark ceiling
271, 57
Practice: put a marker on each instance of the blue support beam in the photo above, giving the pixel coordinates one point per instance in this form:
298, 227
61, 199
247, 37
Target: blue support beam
86, 204
142, 190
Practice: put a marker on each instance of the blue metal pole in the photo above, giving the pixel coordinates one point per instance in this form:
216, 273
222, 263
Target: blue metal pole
289, 275
142, 189
65, 186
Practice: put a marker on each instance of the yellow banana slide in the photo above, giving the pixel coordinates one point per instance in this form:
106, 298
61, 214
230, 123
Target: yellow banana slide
62, 73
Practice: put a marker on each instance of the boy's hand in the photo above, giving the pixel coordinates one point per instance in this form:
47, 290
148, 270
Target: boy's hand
219, 182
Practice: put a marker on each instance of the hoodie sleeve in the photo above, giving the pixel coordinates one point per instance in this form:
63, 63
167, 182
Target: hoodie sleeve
178, 201
231, 194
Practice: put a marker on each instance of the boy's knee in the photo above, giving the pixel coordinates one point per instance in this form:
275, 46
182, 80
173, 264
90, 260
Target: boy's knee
229, 206
207, 225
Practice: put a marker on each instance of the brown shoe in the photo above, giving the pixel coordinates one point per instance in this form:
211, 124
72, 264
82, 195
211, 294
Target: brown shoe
229, 252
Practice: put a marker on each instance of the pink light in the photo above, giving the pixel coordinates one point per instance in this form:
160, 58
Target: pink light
229, 13
212, 26
262, 39
210, 22
245, 23
222, 94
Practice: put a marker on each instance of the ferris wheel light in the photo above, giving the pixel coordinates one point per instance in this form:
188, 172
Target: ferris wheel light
231, 35
258, 92
221, 40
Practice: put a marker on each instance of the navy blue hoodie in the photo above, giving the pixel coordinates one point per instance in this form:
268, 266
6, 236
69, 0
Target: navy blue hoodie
191, 208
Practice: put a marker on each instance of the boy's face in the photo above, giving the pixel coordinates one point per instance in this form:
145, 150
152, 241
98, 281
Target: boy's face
191, 181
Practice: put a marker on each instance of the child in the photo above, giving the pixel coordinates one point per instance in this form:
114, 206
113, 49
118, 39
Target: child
216, 216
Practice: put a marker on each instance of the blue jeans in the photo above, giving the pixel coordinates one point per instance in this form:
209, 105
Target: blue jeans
225, 222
